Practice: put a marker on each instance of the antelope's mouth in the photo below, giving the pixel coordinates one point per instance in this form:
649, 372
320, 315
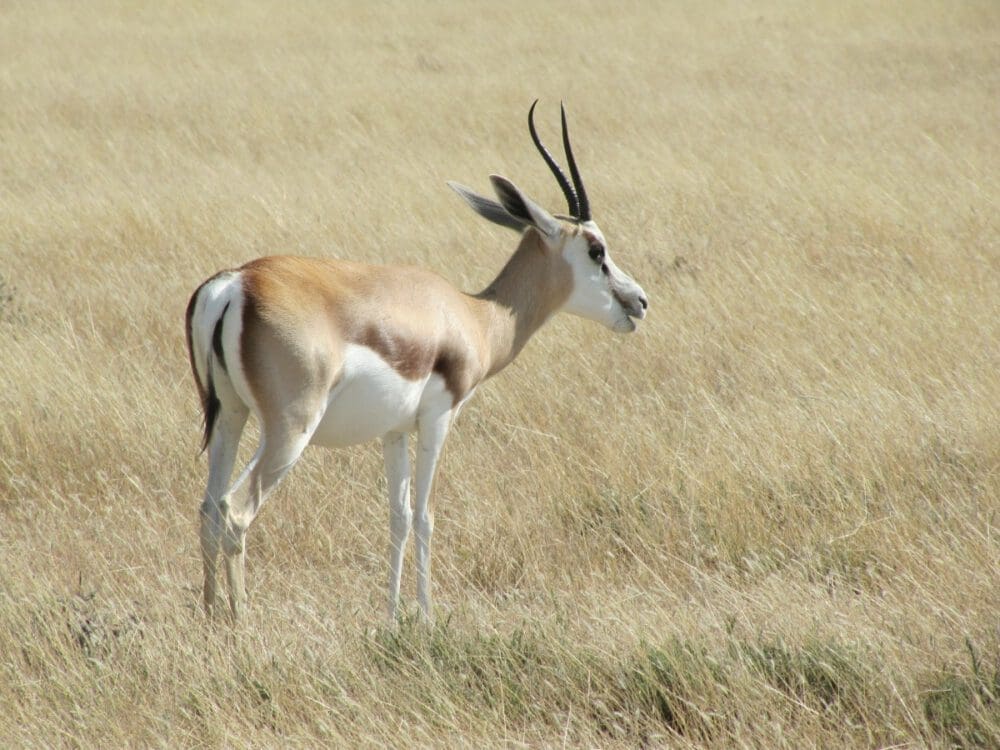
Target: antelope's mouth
634, 309
632, 313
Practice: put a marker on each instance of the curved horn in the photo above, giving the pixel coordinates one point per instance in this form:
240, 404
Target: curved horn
584, 205
574, 206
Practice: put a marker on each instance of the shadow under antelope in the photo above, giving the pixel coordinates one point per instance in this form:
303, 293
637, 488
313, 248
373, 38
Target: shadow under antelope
335, 353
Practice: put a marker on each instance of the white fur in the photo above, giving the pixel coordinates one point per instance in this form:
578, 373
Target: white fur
226, 289
371, 400
592, 296
208, 307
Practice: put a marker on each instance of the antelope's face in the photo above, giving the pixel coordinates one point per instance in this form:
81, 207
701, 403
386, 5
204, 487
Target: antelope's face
601, 290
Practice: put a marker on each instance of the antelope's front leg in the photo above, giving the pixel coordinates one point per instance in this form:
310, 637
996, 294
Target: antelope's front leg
431, 434
395, 450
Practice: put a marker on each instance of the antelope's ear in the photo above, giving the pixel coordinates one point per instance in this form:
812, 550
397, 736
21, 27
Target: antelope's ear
522, 207
488, 209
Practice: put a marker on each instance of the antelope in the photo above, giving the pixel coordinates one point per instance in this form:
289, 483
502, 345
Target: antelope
335, 353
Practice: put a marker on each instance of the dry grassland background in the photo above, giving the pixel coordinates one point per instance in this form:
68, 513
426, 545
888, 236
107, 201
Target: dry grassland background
770, 518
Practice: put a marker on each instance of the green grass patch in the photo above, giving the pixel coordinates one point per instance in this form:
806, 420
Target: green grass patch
828, 676
963, 706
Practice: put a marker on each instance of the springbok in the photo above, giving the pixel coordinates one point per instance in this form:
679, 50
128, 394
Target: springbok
335, 353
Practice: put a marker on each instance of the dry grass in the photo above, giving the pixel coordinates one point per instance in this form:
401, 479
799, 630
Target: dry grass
768, 519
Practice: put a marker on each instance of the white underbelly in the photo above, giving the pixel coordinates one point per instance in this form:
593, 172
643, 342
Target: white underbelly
371, 400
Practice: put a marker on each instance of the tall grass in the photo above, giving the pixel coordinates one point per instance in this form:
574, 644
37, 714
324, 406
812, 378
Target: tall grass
767, 519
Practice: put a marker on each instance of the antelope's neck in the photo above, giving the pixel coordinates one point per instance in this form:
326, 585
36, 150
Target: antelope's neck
533, 285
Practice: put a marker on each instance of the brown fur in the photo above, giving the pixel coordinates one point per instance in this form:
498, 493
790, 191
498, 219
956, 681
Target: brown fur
528, 290
300, 312
412, 318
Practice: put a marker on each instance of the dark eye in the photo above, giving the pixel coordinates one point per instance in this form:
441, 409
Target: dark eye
597, 253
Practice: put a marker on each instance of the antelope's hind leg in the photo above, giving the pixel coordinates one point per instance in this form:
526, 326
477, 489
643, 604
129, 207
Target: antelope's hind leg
222, 449
280, 448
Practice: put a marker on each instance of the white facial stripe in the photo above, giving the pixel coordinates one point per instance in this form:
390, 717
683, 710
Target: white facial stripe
601, 292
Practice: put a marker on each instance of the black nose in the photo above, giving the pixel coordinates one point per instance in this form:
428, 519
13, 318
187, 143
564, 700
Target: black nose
643, 301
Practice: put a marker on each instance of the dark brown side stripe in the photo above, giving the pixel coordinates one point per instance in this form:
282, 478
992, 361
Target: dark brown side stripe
449, 367
410, 358
414, 359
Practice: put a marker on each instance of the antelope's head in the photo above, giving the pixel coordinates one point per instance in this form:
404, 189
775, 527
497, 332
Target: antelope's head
600, 290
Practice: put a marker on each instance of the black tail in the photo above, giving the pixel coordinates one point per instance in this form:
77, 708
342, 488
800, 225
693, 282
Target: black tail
210, 404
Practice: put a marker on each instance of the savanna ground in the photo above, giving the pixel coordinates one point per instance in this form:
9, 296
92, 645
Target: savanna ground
770, 518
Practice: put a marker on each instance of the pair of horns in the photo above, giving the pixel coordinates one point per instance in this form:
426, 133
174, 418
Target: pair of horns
576, 195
